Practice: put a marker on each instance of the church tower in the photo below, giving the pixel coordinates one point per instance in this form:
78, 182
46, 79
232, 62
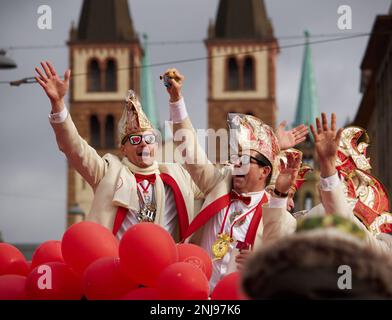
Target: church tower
105, 57
307, 111
242, 53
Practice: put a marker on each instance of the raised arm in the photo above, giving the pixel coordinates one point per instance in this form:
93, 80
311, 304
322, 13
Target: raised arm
81, 156
205, 174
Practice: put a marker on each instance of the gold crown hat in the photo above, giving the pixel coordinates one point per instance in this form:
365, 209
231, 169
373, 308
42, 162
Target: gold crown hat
250, 133
133, 119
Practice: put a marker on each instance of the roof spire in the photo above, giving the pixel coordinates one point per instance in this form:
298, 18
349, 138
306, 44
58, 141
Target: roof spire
242, 19
307, 104
147, 87
105, 21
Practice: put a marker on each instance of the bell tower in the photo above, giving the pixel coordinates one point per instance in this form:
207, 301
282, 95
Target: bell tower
242, 53
104, 56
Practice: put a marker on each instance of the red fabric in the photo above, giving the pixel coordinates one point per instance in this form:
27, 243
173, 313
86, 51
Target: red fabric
120, 216
150, 177
213, 209
206, 214
182, 213
254, 224
235, 196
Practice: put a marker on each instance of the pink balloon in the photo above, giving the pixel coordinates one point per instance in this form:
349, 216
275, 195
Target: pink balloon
12, 287
12, 260
85, 242
145, 250
183, 281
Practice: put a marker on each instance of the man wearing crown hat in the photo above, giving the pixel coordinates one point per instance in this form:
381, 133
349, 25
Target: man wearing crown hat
364, 205
133, 189
229, 221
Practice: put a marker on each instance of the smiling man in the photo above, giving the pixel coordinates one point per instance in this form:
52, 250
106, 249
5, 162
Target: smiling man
229, 222
128, 191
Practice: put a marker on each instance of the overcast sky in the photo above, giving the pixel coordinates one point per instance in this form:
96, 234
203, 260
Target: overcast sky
33, 171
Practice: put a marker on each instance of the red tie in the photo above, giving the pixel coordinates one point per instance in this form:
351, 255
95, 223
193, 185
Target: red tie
235, 196
150, 177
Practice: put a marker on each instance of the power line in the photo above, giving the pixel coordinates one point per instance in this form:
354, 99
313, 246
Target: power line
184, 42
28, 80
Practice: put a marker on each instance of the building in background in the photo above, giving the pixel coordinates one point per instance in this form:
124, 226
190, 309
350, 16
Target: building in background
307, 110
242, 52
375, 109
105, 55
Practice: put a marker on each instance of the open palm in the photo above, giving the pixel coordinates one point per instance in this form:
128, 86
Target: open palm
54, 86
290, 138
326, 138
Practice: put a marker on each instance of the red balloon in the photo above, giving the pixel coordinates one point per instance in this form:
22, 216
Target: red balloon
191, 253
29, 265
145, 250
229, 288
12, 260
12, 287
85, 242
49, 251
54, 281
183, 281
103, 280
142, 294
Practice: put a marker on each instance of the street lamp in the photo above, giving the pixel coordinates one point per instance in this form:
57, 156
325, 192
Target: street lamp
5, 62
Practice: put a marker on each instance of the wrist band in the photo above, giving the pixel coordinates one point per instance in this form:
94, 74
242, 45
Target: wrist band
280, 194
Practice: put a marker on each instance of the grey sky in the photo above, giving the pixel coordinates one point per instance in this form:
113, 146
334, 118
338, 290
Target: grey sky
33, 171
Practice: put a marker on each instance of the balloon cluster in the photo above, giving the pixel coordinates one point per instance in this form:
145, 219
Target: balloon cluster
90, 263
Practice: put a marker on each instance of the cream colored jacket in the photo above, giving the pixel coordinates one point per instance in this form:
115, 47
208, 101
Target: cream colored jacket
112, 182
332, 202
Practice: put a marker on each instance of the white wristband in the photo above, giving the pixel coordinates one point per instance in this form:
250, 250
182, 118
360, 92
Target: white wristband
58, 117
178, 111
329, 183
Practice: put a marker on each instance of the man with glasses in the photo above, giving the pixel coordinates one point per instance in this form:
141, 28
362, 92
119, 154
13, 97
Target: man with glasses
128, 191
230, 219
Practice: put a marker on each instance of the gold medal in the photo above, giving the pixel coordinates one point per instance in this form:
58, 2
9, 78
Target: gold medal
221, 245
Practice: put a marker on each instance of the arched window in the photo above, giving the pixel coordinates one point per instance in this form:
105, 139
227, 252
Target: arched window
308, 202
109, 132
111, 75
249, 74
95, 132
94, 76
233, 79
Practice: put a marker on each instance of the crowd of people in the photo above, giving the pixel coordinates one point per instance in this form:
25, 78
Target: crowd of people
245, 221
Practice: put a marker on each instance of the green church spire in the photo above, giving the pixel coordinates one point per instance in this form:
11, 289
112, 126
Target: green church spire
147, 88
307, 104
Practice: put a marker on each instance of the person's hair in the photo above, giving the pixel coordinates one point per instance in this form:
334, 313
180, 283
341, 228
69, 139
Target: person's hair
264, 162
305, 266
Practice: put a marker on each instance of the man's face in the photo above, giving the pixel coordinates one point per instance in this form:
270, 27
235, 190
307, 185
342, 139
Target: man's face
249, 177
141, 154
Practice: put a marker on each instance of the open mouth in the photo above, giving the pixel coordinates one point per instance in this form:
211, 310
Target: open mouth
143, 153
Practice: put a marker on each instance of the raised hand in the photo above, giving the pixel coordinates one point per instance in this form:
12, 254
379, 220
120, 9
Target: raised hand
327, 142
175, 80
54, 87
288, 172
290, 138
